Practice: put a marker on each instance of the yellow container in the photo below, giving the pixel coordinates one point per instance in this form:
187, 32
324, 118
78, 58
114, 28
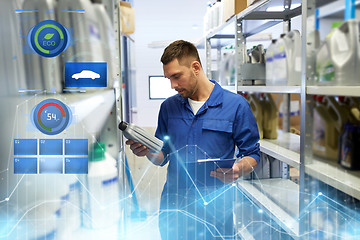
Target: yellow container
329, 119
270, 117
324, 132
257, 110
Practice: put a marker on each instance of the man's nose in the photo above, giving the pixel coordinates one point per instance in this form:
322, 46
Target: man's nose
173, 84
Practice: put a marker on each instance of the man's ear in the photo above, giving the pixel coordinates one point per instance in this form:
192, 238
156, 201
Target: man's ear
196, 67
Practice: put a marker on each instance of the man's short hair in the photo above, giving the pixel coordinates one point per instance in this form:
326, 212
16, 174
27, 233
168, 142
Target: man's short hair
185, 52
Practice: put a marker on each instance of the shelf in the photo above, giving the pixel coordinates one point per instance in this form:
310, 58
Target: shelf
334, 9
284, 195
270, 89
258, 11
261, 20
334, 90
225, 29
333, 174
285, 148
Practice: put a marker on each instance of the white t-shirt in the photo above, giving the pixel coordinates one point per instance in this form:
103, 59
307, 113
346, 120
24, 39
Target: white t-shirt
195, 105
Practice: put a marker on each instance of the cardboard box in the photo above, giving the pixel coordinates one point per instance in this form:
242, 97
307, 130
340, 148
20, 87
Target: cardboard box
232, 7
249, 2
127, 18
240, 5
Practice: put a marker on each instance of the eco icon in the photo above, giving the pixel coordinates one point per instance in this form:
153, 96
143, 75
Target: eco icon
48, 38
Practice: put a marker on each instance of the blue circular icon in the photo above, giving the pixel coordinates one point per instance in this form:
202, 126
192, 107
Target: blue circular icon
49, 38
51, 116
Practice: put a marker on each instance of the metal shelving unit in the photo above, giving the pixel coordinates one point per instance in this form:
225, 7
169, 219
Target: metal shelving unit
286, 148
321, 174
291, 149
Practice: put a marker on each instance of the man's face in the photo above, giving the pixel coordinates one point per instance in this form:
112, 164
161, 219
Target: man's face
182, 78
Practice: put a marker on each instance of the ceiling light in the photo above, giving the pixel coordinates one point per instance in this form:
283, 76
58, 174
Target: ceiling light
295, 5
275, 9
282, 8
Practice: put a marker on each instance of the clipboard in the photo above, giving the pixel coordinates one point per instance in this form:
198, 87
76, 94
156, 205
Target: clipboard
217, 162
202, 167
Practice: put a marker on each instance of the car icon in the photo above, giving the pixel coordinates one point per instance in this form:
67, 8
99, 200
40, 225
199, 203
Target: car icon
86, 74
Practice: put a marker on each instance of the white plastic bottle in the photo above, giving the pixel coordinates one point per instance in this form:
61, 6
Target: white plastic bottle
344, 48
280, 69
68, 216
101, 198
293, 57
325, 72
270, 63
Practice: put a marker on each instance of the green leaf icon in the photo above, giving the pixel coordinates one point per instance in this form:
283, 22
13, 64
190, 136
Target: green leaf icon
49, 36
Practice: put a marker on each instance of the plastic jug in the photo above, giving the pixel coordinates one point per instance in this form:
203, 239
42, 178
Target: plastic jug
269, 57
325, 72
256, 108
227, 71
328, 122
324, 132
108, 41
101, 198
338, 113
293, 57
344, 48
280, 66
86, 35
270, 117
313, 36
338, 59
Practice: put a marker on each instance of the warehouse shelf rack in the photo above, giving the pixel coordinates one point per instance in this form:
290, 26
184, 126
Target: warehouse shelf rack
291, 149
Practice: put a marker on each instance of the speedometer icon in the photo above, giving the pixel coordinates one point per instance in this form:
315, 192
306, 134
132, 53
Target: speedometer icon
51, 116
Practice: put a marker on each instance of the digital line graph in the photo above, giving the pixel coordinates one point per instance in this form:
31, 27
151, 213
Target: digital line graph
321, 205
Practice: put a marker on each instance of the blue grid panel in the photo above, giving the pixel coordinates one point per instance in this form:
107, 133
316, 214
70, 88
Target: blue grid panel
76, 147
25, 165
76, 165
51, 165
25, 146
51, 146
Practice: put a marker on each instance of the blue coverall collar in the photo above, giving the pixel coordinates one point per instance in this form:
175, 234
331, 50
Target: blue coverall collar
215, 99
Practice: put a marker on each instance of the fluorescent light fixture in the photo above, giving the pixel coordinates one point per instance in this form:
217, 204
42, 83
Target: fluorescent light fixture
281, 8
295, 5
275, 9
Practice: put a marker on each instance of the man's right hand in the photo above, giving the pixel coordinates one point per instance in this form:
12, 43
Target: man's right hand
137, 148
141, 150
